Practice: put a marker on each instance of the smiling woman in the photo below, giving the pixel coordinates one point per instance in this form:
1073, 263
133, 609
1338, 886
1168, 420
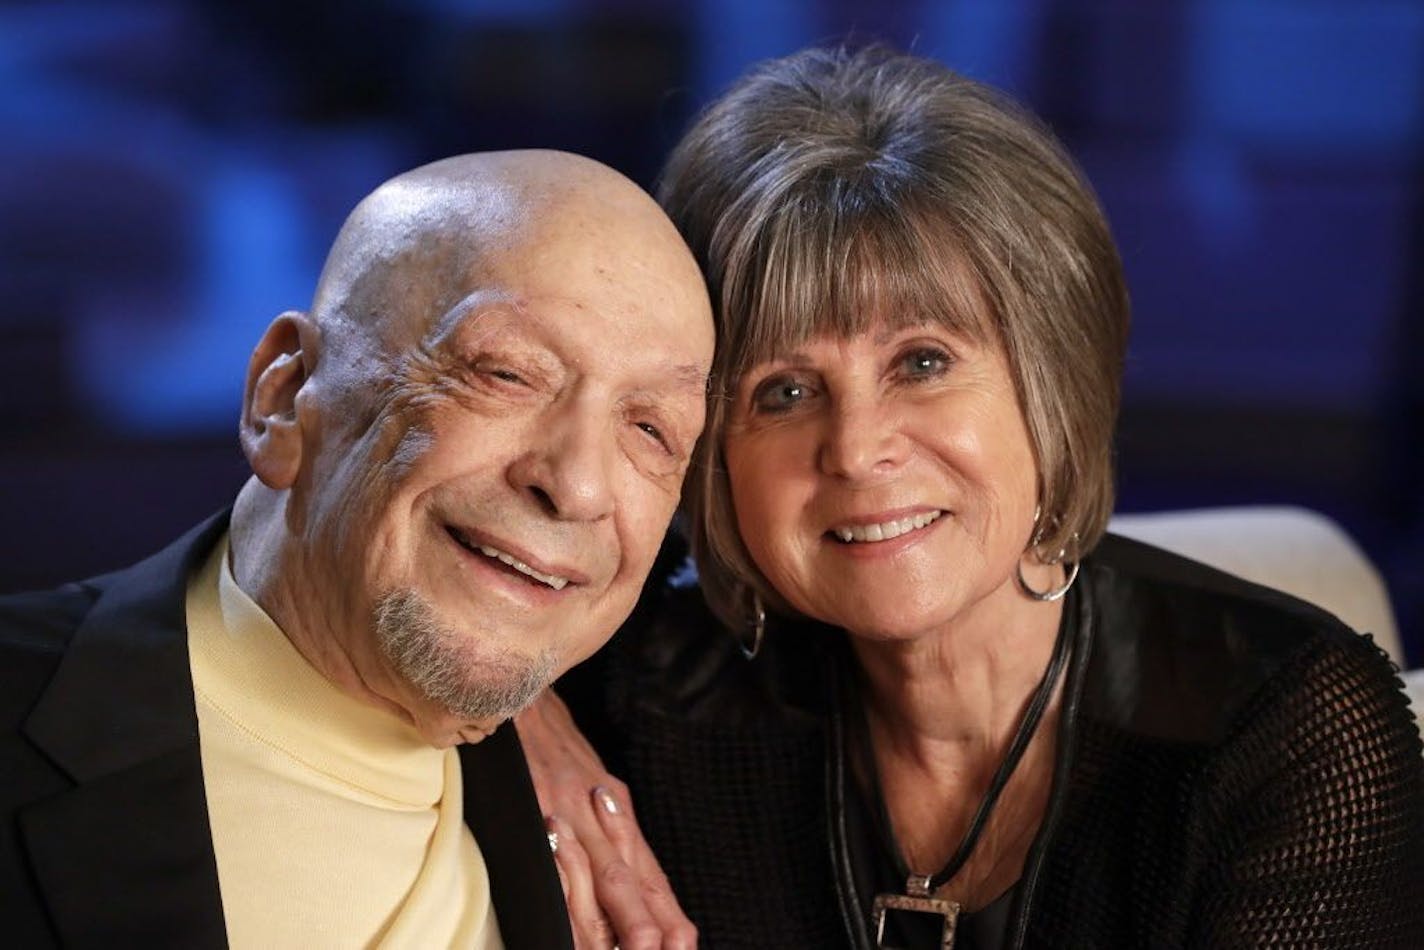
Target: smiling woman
835, 452
972, 716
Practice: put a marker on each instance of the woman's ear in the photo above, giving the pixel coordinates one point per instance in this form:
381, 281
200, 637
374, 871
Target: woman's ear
270, 430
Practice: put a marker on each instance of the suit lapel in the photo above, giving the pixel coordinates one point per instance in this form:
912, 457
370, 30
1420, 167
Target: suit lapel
127, 860
503, 813
126, 856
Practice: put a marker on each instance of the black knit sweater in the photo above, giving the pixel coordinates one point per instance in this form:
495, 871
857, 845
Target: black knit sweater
1235, 768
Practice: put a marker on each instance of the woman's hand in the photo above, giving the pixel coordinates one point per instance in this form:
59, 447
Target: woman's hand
616, 891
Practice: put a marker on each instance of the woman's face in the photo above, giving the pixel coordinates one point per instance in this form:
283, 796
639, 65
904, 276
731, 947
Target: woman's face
884, 483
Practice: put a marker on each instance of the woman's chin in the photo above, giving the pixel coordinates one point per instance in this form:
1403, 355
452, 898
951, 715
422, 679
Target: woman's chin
887, 626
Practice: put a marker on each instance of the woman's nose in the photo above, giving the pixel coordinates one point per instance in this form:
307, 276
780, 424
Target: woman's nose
863, 440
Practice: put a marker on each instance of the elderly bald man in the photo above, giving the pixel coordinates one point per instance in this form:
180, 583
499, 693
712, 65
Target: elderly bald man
464, 458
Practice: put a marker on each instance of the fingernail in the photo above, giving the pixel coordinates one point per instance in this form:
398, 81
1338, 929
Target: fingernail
606, 799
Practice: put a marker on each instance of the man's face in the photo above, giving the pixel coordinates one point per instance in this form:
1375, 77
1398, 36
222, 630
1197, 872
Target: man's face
490, 481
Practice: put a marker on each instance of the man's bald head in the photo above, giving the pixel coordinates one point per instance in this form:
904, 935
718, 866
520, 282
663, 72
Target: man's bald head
467, 452
413, 244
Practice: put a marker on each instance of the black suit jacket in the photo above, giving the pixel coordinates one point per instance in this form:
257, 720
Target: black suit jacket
104, 834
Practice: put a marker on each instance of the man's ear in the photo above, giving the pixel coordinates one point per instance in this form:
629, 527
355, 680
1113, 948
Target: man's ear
270, 431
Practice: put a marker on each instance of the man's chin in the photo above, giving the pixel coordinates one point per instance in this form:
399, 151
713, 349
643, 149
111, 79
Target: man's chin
466, 687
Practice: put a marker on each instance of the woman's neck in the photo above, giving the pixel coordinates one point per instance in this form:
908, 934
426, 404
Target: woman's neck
942, 711
964, 685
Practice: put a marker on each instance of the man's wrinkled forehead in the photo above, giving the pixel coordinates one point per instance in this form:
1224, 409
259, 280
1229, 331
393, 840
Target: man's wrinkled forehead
421, 248
568, 237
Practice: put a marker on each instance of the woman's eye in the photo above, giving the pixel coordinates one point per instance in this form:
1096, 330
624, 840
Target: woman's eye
779, 394
925, 362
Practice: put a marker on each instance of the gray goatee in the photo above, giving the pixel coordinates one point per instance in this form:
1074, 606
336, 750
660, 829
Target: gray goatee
465, 677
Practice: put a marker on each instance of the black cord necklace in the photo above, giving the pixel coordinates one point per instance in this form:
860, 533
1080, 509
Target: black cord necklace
919, 888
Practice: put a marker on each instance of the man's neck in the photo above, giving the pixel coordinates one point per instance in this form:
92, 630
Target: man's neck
316, 614
266, 569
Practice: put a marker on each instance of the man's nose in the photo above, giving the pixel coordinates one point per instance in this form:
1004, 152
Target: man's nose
862, 441
567, 469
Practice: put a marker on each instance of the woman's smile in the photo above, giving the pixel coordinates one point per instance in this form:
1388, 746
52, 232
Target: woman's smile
883, 482
885, 529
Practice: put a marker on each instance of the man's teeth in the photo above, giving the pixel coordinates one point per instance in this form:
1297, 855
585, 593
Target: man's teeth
553, 581
885, 530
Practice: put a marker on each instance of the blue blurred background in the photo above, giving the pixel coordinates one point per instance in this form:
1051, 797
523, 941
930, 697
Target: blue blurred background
172, 172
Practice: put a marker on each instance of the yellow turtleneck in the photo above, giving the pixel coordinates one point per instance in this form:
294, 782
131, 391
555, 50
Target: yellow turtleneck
334, 823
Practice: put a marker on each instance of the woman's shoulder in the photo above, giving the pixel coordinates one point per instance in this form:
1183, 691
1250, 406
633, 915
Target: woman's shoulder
1182, 649
1263, 749
1191, 605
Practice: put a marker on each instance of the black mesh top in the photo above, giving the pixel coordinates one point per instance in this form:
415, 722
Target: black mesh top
1235, 768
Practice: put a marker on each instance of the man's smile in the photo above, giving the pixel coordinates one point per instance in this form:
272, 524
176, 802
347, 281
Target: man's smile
555, 579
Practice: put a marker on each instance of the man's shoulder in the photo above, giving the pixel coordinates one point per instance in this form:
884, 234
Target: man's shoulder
38, 628
35, 630
40, 623
43, 620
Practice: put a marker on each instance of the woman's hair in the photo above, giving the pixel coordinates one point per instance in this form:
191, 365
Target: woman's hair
836, 189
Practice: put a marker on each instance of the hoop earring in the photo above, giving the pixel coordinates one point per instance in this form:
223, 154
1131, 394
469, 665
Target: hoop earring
758, 628
1048, 596
1055, 593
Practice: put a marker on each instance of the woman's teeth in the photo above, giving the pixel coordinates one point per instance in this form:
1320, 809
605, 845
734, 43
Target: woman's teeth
885, 530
